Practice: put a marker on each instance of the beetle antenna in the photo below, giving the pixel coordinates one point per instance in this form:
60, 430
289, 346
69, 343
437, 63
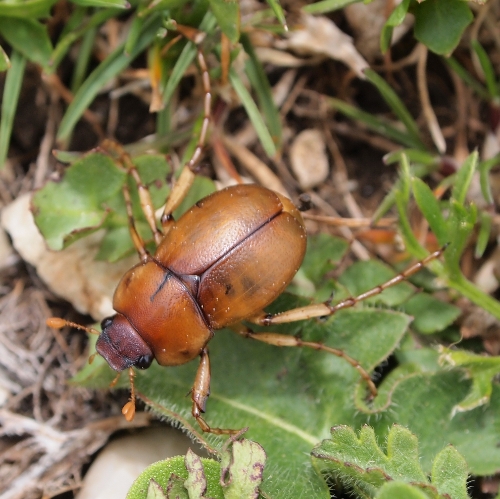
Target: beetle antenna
58, 323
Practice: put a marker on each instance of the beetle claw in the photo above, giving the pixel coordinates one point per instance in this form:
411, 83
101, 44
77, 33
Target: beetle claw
128, 410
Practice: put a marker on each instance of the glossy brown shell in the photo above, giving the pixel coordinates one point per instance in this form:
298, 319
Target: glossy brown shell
224, 260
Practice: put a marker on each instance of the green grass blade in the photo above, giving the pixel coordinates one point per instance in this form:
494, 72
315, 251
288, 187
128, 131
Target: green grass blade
253, 113
488, 70
123, 4
227, 13
375, 123
484, 168
29, 37
429, 206
109, 68
278, 12
396, 104
483, 237
4, 60
83, 59
325, 6
25, 9
464, 178
70, 36
395, 19
10, 98
466, 77
402, 197
260, 83
185, 59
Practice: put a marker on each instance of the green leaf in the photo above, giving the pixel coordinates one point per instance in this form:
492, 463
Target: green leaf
474, 433
361, 459
165, 474
196, 482
360, 464
26, 9
394, 490
227, 13
461, 223
429, 206
242, 469
430, 314
28, 37
365, 275
395, 19
10, 99
481, 370
77, 205
155, 491
323, 253
449, 474
439, 24
176, 489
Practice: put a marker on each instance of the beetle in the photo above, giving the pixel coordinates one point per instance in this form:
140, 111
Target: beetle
225, 260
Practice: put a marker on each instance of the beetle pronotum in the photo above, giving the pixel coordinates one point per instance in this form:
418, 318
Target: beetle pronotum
169, 305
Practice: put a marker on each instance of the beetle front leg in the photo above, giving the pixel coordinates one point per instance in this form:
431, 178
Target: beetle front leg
200, 393
283, 340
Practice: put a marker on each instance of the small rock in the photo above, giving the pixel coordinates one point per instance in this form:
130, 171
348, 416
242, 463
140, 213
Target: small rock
308, 159
118, 465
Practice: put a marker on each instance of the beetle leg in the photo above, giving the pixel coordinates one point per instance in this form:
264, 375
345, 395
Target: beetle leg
186, 179
135, 236
128, 409
200, 393
144, 198
326, 308
283, 340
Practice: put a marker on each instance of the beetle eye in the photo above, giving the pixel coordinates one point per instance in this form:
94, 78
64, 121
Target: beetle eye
144, 361
106, 323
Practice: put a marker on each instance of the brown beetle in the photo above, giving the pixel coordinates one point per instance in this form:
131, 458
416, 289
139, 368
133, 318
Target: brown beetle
227, 258
222, 262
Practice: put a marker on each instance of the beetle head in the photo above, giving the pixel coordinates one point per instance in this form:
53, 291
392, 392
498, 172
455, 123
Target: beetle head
121, 345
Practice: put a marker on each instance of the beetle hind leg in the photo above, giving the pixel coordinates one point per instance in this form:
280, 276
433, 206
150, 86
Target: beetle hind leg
187, 176
283, 340
326, 308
